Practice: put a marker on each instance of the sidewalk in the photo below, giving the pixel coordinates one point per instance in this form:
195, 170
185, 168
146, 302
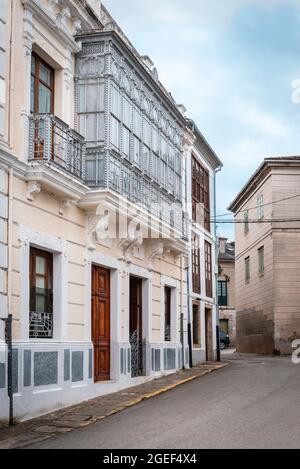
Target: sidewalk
88, 412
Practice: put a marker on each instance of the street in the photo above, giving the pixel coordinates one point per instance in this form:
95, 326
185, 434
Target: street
252, 403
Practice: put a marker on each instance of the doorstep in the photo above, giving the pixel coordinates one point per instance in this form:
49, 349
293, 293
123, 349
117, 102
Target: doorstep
91, 411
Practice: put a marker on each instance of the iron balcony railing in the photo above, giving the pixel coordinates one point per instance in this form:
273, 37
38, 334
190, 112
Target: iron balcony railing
53, 141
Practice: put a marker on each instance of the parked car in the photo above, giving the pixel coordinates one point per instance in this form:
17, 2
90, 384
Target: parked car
224, 340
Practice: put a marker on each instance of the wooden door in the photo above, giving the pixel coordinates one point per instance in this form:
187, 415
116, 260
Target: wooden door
208, 335
101, 322
136, 327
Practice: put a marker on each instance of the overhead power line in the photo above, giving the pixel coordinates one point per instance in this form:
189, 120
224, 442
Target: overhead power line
263, 205
264, 220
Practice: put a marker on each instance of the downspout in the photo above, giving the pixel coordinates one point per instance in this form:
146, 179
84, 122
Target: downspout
10, 89
9, 238
217, 263
189, 325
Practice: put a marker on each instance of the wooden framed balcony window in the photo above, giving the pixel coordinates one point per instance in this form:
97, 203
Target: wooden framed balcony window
41, 98
196, 279
208, 269
200, 192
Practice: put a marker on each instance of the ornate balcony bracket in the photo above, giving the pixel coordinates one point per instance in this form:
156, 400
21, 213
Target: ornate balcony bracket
156, 252
33, 188
98, 230
127, 246
65, 203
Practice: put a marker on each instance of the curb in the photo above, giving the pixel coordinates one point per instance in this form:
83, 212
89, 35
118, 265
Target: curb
96, 418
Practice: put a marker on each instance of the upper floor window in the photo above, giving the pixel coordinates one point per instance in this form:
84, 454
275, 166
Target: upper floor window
208, 269
200, 192
222, 293
260, 207
246, 221
42, 86
261, 260
195, 264
247, 269
41, 294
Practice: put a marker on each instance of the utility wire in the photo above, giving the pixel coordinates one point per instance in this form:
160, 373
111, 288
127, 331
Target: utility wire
263, 205
274, 220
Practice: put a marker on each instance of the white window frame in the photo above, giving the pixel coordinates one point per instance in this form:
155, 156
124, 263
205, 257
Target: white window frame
59, 249
174, 322
260, 207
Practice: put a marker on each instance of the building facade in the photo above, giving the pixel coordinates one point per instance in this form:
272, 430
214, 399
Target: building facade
201, 166
94, 234
226, 288
267, 258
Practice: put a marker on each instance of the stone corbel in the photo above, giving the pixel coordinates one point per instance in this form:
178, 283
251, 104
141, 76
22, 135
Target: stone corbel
76, 24
97, 230
134, 240
52, 5
156, 252
33, 188
65, 203
63, 16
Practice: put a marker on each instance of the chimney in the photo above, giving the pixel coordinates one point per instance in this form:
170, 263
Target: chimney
222, 245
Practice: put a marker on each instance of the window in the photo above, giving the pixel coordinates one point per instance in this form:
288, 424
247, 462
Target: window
41, 294
247, 269
246, 222
42, 86
208, 269
195, 264
196, 326
222, 293
126, 142
115, 132
200, 192
260, 207
167, 314
261, 260
136, 151
116, 103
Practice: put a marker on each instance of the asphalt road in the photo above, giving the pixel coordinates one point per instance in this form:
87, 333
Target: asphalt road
253, 403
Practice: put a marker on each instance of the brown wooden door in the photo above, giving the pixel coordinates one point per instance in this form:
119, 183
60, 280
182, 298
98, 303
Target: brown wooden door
136, 328
208, 335
101, 322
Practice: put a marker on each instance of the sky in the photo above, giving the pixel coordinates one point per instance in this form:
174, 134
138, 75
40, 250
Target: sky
235, 65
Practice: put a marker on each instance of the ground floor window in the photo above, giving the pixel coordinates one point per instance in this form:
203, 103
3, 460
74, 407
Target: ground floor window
41, 294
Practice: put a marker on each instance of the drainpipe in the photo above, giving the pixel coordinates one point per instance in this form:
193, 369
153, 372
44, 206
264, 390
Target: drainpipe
187, 268
217, 263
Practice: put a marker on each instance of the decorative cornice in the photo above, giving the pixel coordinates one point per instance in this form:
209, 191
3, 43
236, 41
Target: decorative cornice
49, 19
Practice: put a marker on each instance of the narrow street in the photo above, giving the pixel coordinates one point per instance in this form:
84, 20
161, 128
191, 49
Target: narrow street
252, 403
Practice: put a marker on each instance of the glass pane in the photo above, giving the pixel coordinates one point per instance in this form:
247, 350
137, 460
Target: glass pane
45, 74
40, 265
44, 100
40, 282
40, 303
32, 100
32, 64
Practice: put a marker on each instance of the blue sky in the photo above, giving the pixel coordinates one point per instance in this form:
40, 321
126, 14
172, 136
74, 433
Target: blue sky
232, 63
